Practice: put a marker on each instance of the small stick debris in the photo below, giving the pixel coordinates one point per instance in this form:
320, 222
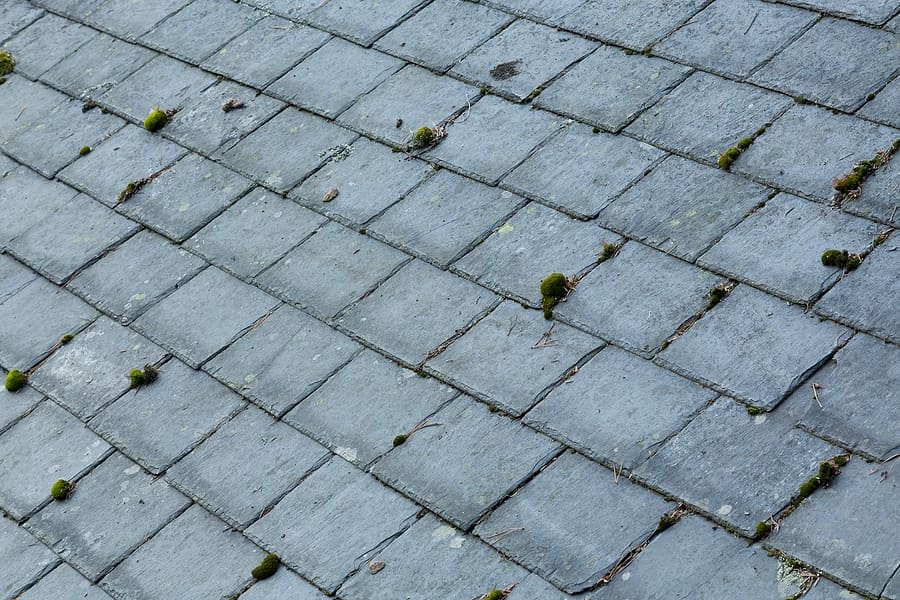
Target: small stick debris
815, 389
134, 187
330, 195
171, 112
546, 340
496, 537
232, 104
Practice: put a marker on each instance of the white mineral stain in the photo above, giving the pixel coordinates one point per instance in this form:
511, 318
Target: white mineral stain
725, 510
759, 419
132, 470
457, 542
348, 454
442, 532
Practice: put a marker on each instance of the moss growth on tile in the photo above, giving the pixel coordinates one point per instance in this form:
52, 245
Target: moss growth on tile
608, 251
7, 63
716, 295
61, 489
851, 182
399, 440
267, 567
85, 150
763, 528
728, 157
66, 339
755, 410
842, 259
15, 380
156, 120
139, 377
423, 137
554, 288
495, 594
744, 143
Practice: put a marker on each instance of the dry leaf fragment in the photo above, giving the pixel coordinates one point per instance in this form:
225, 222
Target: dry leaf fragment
330, 195
375, 566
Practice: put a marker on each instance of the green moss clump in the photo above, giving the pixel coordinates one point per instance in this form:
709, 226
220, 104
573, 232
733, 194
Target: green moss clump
7, 63
129, 191
554, 286
66, 339
156, 120
139, 377
716, 295
267, 567
609, 250
399, 440
61, 489
494, 594
423, 137
85, 150
666, 521
807, 488
827, 471
834, 258
755, 410
15, 380
763, 528
728, 157
841, 460
745, 143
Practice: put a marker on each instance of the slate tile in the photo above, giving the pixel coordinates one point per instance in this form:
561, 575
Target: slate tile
580, 172
876, 201
203, 126
129, 155
444, 217
734, 37
92, 370
133, 18
331, 269
283, 360
162, 82
609, 87
465, 27
754, 347
870, 11
736, 468
576, 522
618, 408
683, 207
284, 585
286, 149
97, 65
332, 522
17, 15
64, 580
413, 96
632, 24
428, 304
454, 564
46, 42
47, 445
452, 468
801, 231
295, 10
806, 149
179, 35
865, 300
246, 465
157, 424
495, 137
13, 277
16, 405
71, 237
266, 51
369, 180
479, 362
35, 318
71, 8
395, 400
255, 232
695, 559
135, 275
204, 315
638, 298
522, 58
826, 590
884, 106
361, 22
830, 64
22, 102
31, 197
850, 515
706, 115
186, 196
194, 538
543, 10
533, 243
114, 509
22, 559
333, 77
893, 24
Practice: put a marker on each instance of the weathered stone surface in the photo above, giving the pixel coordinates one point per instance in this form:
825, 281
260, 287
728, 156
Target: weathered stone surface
580, 172
754, 347
330, 270
609, 87
282, 360
479, 362
632, 24
333, 522
831, 64
16, 405
361, 23
64, 580
576, 522
618, 408
17, 15
284, 585
382, 399
136, 275
444, 217
30, 197
638, 298
246, 466
801, 231
876, 201
22, 559
843, 530
131, 19
871, 11
96, 66
47, 445
451, 468
883, 106
683, 207
194, 538
92, 370
416, 310
736, 468
45, 42
157, 424
113, 510
204, 315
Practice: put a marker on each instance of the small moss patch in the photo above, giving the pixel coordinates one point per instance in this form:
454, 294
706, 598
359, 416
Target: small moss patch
61, 489
763, 528
716, 295
156, 120
139, 377
495, 594
755, 410
66, 339
85, 150
608, 251
851, 183
423, 137
554, 288
7, 63
841, 259
399, 440
15, 380
728, 157
267, 567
